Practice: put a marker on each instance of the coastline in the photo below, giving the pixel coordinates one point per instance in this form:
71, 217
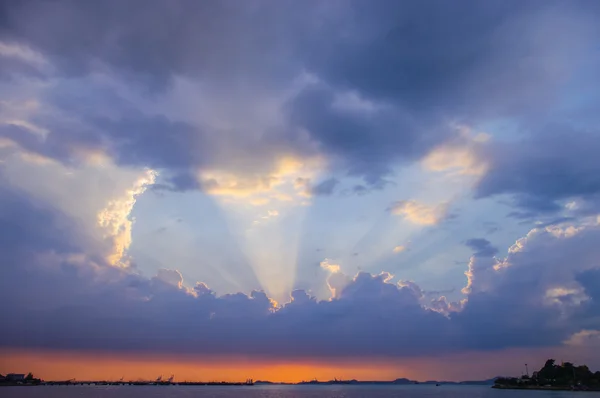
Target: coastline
133, 383
547, 388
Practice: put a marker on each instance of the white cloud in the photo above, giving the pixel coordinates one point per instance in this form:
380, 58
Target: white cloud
460, 157
115, 221
399, 249
171, 277
24, 53
589, 339
329, 267
420, 213
288, 181
100, 196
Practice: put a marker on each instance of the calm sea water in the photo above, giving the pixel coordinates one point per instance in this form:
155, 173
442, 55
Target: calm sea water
416, 391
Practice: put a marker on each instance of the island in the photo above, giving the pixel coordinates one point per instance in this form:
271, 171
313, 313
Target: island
551, 376
16, 379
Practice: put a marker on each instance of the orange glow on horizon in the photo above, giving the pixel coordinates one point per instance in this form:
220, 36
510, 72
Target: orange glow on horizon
63, 365
54, 365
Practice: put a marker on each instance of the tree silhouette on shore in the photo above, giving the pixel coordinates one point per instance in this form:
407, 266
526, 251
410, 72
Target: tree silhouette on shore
552, 375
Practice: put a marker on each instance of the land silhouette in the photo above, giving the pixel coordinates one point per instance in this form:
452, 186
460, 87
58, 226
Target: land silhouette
551, 376
29, 380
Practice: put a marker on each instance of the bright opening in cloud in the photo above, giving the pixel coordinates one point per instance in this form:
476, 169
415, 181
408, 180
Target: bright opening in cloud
420, 213
399, 249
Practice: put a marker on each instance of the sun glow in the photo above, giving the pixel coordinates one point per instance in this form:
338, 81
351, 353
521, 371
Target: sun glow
256, 208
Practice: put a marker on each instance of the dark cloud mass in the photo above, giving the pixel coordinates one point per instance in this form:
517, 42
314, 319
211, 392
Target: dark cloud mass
389, 78
233, 87
325, 187
67, 299
545, 170
481, 247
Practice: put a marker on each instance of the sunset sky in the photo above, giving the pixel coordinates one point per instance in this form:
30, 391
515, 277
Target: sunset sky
297, 189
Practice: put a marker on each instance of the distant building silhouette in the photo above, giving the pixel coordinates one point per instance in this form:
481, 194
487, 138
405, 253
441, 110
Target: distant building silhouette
15, 377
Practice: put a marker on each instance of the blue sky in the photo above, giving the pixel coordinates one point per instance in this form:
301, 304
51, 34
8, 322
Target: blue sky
297, 169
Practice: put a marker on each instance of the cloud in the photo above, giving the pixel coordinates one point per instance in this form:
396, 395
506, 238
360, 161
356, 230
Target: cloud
336, 280
116, 309
288, 181
270, 214
362, 144
585, 338
170, 277
388, 53
21, 60
481, 247
534, 269
259, 201
368, 97
132, 140
325, 187
419, 213
115, 221
478, 273
24, 53
461, 157
452, 158
332, 268
541, 172
305, 187
262, 116
97, 197
399, 249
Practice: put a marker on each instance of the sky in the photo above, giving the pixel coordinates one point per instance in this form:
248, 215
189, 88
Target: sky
289, 190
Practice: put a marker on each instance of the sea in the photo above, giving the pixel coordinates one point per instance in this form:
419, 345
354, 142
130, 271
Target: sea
281, 391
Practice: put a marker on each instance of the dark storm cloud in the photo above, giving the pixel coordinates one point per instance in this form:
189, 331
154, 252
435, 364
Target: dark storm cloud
557, 164
418, 65
367, 141
149, 41
146, 44
11, 68
154, 141
414, 53
325, 187
590, 281
545, 271
433, 62
181, 181
27, 224
67, 300
481, 247
508, 322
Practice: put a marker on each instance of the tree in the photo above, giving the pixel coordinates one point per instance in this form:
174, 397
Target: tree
548, 372
29, 376
565, 375
583, 374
